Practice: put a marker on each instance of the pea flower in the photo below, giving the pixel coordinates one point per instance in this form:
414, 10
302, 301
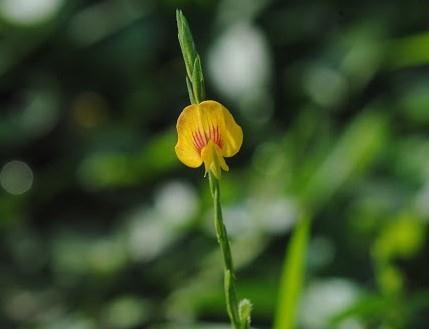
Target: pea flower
207, 132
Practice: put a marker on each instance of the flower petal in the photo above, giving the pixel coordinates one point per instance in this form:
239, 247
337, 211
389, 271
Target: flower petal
213, 159
185, 148
230, 132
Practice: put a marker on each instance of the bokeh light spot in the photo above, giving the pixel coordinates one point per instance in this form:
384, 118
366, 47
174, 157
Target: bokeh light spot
239, 61
325, 86
28, 12
176, 202
321, 300
16, 177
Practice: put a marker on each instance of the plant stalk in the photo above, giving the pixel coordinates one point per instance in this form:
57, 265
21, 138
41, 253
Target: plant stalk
239, 312
222, 238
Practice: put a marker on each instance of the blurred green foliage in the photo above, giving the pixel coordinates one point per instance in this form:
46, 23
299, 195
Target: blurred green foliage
102, 227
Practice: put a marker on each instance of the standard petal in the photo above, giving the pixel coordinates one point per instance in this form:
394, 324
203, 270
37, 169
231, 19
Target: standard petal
218, 116
185, 147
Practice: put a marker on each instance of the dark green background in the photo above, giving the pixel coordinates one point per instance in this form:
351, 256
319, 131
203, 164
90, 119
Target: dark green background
102, 227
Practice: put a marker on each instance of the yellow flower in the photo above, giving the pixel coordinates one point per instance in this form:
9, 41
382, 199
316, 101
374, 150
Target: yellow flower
207, 132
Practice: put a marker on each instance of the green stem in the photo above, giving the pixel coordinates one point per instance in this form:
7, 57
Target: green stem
239, 312
222, 238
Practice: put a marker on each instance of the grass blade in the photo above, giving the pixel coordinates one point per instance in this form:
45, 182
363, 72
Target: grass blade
292, 276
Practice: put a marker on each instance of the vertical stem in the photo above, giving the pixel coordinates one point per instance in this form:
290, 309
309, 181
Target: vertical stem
222, 238
239, 313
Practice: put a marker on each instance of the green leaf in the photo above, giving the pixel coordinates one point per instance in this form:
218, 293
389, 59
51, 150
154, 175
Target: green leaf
186, 42
408, 51
355, 151
194, 71
292, 277
198, 80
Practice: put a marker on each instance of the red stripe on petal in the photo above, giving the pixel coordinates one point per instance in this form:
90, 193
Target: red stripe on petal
201, 138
